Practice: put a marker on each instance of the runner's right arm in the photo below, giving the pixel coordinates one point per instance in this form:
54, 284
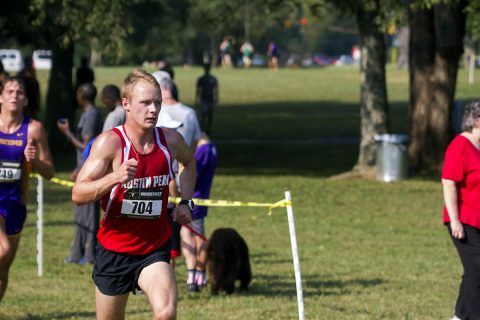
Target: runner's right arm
101, 172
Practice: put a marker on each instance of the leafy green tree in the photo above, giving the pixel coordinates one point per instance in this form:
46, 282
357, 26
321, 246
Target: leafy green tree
158, 30
64, 23
15, 22
472, 28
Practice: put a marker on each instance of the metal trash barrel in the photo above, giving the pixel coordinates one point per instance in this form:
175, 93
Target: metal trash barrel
392, 157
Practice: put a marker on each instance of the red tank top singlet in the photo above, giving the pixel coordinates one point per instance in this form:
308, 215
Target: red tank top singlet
136, 220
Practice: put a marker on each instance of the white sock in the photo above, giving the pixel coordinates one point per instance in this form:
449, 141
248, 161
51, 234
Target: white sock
200, 278
191, 276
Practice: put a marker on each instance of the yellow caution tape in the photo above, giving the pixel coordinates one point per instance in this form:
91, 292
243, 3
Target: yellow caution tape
200, 202
63, 182
55, 180
227, 203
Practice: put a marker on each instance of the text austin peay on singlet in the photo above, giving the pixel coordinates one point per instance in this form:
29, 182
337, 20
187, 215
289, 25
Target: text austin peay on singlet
147, 182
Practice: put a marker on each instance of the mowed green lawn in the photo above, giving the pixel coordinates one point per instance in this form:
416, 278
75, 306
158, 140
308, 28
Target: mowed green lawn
368, 250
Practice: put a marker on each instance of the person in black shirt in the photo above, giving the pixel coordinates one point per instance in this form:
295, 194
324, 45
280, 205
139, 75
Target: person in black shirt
207, 98
167, 67
32, 89
84, 73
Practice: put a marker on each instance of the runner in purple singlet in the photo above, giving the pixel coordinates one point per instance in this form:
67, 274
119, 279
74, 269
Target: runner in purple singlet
23, 147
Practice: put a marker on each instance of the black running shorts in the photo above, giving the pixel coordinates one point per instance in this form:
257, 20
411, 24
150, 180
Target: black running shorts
117, 273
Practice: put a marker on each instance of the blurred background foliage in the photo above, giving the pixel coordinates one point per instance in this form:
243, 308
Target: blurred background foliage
182, 31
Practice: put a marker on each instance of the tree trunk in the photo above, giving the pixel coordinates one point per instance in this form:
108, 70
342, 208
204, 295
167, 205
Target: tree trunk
421, 67
449, 49
60, 93
373, 91
434, 56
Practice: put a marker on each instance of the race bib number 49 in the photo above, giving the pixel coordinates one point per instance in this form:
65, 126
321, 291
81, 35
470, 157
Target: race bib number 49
142, 203
10, 171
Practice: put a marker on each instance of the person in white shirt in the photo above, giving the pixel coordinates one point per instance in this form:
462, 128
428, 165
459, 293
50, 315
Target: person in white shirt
190, 130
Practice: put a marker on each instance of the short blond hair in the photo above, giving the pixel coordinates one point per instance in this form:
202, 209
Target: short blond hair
133, 78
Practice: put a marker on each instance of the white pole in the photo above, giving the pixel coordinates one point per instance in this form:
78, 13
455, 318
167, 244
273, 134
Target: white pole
40, 226
471, 68
296, 261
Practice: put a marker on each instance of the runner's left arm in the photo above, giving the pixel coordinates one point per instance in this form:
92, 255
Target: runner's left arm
187, 173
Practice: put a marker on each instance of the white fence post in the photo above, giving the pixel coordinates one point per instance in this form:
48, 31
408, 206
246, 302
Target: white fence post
40, 225
296, 261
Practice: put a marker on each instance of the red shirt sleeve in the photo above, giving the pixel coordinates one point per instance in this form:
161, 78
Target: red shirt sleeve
455, 165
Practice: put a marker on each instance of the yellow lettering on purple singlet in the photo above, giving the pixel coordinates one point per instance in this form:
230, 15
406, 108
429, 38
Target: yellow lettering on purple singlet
8, 142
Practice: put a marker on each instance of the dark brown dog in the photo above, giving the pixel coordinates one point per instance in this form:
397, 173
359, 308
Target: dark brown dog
227, 261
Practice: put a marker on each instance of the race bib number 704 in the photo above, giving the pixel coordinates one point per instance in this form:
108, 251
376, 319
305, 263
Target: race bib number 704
142, 203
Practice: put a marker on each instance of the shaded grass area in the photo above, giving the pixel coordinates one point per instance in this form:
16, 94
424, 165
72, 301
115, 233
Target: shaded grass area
301, 138
286, 120
285, 159
298, 120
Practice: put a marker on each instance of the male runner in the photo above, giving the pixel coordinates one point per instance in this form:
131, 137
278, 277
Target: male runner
129, 169
23, 145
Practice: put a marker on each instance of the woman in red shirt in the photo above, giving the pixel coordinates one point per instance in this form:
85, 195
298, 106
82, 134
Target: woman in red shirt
461, 191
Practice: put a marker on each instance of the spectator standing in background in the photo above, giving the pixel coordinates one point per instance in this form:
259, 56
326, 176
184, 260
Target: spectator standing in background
167, 67
247, 52
272, 53
32, 88
225, 52
112, 101
206, 97
357, 53
193, 234
190, 131
461, 213
84, 73
87, 216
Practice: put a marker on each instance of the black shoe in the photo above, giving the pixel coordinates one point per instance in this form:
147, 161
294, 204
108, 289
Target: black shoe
192, 287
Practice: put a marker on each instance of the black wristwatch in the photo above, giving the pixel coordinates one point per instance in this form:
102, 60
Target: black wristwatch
189, 204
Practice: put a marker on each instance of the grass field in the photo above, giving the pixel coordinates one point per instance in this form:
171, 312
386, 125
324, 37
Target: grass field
368, 250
